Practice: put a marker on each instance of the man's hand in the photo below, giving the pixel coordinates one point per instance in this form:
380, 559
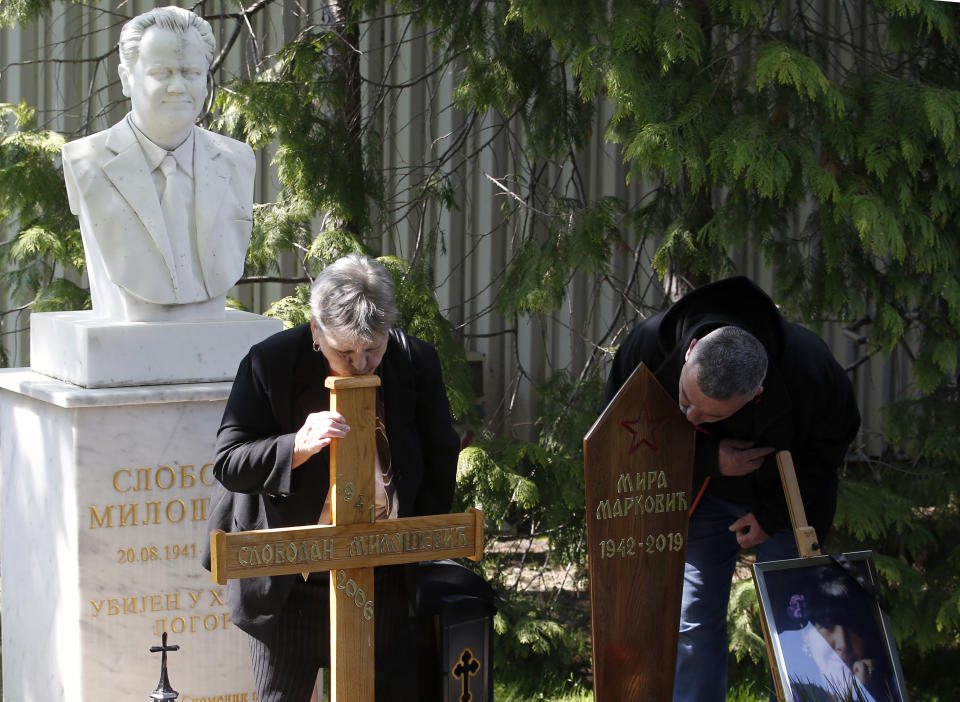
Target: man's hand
739, 457
316, 433
748, 530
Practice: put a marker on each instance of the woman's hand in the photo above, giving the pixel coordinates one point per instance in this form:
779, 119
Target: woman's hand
316, 433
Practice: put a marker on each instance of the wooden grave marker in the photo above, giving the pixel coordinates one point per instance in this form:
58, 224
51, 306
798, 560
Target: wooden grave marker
639, 465
352, 545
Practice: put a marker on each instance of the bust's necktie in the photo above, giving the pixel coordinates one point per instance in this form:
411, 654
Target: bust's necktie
171, 202
175, 204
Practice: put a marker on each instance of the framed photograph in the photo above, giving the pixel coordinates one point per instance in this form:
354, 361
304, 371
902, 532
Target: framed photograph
827, 638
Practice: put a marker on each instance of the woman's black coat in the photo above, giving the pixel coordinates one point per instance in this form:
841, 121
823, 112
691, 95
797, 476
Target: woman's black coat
280, 382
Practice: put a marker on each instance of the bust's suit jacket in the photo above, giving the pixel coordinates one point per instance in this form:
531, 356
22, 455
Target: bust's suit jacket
111, 190
280, 382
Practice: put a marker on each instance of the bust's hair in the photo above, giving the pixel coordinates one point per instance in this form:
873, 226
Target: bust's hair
353, 299
731, 362
171, 17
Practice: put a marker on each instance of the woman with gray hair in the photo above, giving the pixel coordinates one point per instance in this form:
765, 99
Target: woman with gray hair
274, 470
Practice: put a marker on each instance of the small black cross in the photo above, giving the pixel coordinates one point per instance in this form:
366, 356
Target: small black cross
467, 666
163, 691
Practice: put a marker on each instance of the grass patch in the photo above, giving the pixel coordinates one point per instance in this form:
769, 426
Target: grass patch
507, 693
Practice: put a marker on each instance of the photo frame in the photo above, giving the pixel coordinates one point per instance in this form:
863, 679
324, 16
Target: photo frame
828, 639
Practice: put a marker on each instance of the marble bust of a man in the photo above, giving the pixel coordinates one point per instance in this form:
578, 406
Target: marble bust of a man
165, 206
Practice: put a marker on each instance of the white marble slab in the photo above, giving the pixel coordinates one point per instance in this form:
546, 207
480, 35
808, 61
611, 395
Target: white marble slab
94, 352
25, 381
104, 496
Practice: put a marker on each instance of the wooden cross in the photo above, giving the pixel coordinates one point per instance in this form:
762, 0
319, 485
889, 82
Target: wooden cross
352, 545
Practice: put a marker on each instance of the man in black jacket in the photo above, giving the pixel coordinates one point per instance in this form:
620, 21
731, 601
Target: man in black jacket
753, 384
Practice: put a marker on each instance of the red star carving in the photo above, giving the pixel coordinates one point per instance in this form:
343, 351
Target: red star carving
643, 433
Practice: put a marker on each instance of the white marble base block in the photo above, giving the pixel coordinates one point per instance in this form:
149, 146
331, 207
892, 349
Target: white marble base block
94, 352
104, 498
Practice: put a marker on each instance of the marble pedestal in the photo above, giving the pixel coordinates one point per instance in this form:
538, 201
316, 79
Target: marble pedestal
93, 352
104, 498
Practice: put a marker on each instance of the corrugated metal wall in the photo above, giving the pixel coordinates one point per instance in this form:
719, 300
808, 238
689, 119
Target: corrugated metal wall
417, 124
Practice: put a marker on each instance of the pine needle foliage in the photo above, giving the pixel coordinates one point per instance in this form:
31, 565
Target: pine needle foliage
32, 194
300, 103
534, 490
743, 624
420, 315
753, 104
835, 691
294, 309
551, 653
577, 240
537, 486
13, 12
509, 71
920, 542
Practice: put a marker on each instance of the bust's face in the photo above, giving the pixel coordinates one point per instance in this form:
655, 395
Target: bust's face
168, 83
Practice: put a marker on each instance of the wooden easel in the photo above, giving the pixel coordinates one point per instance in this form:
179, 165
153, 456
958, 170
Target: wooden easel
352, 545
806, 536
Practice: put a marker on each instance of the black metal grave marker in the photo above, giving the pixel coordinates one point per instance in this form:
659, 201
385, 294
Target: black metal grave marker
163, 691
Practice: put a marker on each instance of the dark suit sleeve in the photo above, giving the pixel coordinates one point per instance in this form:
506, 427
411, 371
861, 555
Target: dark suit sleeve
438, 439
254, 452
